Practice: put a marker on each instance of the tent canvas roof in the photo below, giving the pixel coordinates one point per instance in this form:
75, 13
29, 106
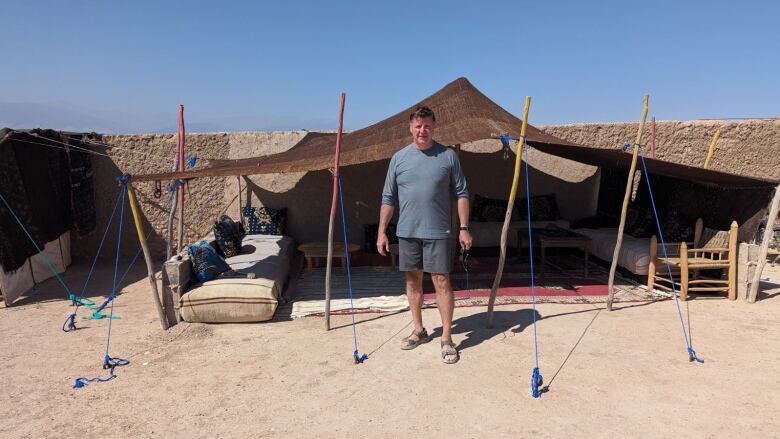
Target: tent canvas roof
463, 115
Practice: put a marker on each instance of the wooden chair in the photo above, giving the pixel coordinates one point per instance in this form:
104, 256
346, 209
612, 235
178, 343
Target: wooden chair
710, 250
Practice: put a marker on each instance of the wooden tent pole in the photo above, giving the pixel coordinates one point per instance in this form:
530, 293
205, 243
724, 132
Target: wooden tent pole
147, 255
629, 186
508, 216
180, 188
171, 214
240, 211
770, 222
652, 137
173, 203
711, 150
332, 220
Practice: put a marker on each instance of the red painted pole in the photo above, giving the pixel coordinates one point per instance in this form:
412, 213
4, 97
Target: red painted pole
180, 188
333, 213
652, 137
180, 145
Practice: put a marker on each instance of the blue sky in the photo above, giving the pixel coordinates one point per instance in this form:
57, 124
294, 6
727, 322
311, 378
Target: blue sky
244, 65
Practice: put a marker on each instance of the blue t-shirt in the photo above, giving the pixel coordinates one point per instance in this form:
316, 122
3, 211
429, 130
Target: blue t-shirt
421, 184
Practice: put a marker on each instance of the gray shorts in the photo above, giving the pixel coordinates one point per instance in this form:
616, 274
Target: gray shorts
428, 255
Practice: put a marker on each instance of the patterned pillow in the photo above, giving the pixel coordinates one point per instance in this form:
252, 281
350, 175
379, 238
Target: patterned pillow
265, 220
639, 222
227, 235
206, 262
485, 209
543, 208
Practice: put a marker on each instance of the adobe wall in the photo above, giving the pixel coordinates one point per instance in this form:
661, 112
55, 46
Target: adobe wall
745, 147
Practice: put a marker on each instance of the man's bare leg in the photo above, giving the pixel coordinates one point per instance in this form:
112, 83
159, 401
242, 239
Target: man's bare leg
445, 302
414, 294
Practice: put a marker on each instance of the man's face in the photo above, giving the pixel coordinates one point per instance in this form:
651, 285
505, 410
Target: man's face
422, 131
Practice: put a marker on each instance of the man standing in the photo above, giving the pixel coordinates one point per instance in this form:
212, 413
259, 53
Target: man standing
420, 180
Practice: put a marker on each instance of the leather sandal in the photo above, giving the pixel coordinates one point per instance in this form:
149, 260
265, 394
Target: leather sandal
415, 339
449, 355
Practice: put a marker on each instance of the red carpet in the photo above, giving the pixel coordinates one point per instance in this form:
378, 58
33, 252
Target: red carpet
541, 291
516, 281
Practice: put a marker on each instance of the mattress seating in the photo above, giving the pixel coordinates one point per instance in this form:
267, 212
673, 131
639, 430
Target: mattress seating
249, 292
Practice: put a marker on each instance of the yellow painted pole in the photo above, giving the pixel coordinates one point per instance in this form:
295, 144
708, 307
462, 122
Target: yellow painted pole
629, 185
711, 151
508, 216
149, 267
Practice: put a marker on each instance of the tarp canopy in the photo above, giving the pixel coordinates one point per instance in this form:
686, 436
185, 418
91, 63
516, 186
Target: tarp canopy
463, 115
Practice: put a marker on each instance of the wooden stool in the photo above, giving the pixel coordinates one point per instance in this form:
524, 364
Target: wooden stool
313, 250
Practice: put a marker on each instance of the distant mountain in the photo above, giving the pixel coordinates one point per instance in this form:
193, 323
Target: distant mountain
31, 115
68, 118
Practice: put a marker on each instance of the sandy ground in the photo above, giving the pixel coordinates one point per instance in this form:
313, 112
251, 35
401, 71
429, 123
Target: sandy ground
620, 373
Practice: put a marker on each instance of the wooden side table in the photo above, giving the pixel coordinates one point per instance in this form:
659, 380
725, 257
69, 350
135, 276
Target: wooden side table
555, 238
312, 250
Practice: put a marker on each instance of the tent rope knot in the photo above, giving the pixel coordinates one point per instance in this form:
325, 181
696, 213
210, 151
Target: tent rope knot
175, 184
692, 356
70, 323
628, 146
109, 363
97, 313
536, 383
506, 145
81, 301
359, 358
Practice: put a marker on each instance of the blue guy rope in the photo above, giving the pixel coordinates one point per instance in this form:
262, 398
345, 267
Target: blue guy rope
100, 246
111, 363
692, 356
358, 358
70, 323
536, 377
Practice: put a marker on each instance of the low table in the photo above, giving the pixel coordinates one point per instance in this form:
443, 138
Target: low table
555, 237
312, 250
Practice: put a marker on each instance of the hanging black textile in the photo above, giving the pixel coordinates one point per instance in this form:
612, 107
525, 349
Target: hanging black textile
15, 248
36, 179
82, 191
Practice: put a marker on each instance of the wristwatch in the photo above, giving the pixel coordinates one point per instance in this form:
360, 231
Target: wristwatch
464, 227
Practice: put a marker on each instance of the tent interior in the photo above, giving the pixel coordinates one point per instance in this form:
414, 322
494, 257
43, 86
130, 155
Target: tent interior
587, 182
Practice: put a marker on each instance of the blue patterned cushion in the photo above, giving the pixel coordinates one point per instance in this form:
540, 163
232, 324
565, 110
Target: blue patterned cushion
206, 262
264, 220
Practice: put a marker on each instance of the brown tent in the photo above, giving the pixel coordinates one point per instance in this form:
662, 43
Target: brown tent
464, 115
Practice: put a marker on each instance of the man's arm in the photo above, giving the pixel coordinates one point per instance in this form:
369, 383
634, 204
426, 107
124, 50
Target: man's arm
464, 237
389, 201
458, 180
